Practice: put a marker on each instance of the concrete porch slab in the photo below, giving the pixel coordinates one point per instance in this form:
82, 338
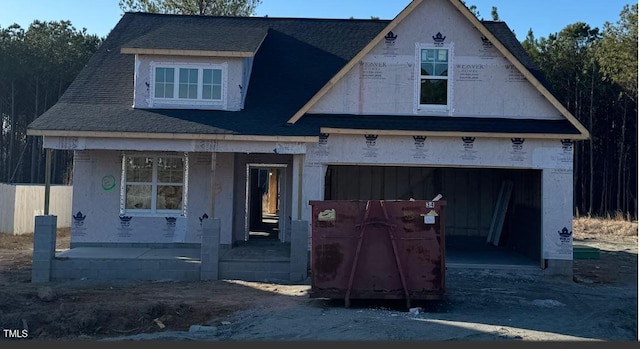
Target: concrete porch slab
103, 253
172, 253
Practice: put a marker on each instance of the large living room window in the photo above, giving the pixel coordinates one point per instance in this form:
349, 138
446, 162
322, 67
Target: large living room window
433, 90
188, 84
154, 184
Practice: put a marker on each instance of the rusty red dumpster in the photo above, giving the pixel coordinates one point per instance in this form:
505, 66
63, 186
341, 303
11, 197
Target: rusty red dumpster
377, 249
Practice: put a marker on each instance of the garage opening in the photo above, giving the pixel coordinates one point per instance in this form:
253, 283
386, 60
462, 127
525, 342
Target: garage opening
493, 216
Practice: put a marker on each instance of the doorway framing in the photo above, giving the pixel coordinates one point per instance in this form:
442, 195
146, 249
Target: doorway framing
282, 194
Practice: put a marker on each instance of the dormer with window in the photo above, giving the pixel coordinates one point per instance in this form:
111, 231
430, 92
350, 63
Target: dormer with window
176, 68
188, 84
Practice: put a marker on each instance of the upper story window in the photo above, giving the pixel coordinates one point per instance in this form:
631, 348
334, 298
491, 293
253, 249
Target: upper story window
433, 88
211, 84
188, 84
164, 82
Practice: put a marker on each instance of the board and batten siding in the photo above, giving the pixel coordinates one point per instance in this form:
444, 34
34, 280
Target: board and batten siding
471, 194
21, 203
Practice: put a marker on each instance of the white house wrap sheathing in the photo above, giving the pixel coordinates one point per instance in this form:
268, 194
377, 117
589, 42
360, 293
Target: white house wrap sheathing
553, 157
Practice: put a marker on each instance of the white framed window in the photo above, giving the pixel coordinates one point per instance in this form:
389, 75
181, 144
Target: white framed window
434, 77
188, 84
212, 84
154, 184
164, 82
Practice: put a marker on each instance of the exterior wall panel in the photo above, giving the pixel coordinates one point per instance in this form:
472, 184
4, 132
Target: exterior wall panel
467, 170
96, 210
484, 83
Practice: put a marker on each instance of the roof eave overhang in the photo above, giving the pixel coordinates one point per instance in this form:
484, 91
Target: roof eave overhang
191, 53
173, 136
351, 131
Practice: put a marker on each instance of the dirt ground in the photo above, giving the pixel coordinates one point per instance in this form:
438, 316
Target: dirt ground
601, 304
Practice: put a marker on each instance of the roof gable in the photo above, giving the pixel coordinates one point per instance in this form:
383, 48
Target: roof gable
496, 32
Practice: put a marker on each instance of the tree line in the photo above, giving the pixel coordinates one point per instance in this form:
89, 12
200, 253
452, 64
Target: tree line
37, 64
593, 72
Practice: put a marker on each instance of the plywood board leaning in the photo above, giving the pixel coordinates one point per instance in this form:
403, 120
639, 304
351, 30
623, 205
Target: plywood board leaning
499, 213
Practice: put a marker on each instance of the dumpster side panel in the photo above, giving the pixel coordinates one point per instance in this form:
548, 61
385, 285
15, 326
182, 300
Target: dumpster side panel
420, 246
333, 242
377, 249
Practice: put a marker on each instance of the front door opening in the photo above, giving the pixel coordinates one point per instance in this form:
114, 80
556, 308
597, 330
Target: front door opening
264, 204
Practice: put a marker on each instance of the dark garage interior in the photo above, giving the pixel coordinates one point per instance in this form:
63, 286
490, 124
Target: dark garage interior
478, 199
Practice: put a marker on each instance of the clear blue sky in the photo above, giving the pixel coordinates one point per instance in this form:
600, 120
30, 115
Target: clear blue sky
543, 16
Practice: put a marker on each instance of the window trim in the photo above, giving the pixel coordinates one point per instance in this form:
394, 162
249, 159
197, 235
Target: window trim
199, 101
422, 108
153, 211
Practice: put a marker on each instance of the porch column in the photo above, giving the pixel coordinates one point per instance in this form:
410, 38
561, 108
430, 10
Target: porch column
224, 189
210, 249
47, 181
298, 257
44, 248
313, 187
296, 187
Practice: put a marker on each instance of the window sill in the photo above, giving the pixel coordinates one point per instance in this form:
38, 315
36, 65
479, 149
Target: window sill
432, 109
187, 104
188, 101
153, 214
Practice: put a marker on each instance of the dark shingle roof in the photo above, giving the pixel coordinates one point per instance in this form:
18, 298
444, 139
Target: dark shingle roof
294, 60
175, 35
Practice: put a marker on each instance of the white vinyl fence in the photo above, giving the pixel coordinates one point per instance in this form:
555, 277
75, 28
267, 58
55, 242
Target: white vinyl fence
20, 203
